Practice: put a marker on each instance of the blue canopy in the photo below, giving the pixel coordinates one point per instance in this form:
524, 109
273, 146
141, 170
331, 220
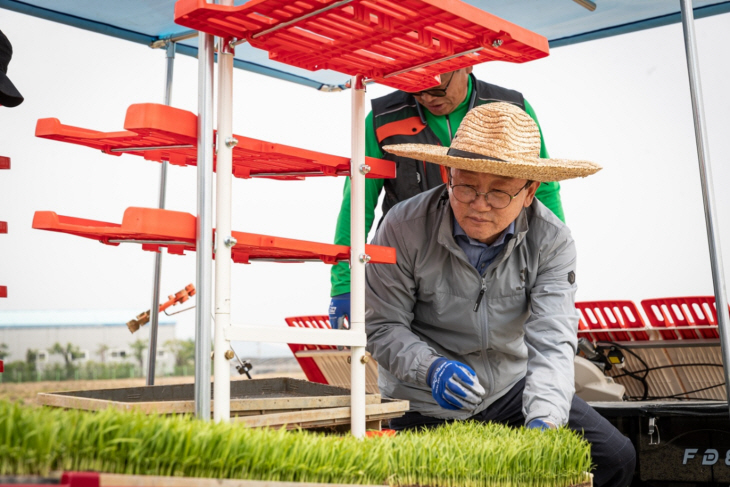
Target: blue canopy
562, 22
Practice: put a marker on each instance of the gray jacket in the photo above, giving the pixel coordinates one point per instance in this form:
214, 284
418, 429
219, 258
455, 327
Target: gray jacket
423, 308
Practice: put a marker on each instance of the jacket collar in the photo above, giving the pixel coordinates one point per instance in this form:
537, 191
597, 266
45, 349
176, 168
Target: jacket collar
521, 228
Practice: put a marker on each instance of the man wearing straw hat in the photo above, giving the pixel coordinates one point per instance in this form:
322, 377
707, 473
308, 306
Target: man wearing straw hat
477, 318
428, 117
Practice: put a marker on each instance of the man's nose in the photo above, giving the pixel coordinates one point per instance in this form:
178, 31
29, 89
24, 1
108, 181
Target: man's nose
481, 203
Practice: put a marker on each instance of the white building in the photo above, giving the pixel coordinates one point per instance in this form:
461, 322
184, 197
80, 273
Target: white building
93, 331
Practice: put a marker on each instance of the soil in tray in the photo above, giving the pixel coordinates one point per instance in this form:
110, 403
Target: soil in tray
244, 389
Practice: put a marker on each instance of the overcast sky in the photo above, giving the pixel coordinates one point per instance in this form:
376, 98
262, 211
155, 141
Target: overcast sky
622, 102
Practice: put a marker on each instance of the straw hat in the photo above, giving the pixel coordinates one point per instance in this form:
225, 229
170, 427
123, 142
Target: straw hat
498, 138
9, 94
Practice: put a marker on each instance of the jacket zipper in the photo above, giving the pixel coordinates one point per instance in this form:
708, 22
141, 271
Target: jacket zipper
448, 124
481, 293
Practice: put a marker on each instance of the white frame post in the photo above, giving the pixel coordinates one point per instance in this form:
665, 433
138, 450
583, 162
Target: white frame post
204, 226
358, 257
708, 193
223, 238
154, 309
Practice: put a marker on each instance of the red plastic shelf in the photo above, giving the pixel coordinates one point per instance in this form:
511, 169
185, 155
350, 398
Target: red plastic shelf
163, 133
618, 320
400, 43
174, 230
684, 317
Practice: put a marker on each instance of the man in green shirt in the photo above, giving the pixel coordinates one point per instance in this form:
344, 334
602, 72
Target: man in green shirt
427, 117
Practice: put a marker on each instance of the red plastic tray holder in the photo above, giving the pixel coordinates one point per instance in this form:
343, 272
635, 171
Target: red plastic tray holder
404, 44
308, 365
174, 230
682, 315
620, 319
163, 133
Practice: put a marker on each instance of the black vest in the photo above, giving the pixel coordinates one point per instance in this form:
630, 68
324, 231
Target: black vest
399, 119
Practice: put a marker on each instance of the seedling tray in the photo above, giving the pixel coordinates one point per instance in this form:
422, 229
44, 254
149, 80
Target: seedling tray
94, 479
256, 403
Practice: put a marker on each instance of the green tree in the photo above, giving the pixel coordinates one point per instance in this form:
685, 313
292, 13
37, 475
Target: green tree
183, 351
3, 351
138, 349
31, 356
69, 353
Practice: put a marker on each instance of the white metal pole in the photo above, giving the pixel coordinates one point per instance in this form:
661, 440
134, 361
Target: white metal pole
708, 193
204, 226
154, 309
223, 239
358, 258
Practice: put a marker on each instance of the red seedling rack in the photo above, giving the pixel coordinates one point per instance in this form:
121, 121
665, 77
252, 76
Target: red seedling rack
620, 318
163, 133
684, 317
308, 365
404, 44
174, 230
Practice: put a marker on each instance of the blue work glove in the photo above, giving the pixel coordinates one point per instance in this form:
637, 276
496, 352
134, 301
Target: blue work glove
340, 311
454, 385
540, 424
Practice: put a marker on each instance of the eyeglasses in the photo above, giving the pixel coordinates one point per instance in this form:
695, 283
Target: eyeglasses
496, 198
437, 92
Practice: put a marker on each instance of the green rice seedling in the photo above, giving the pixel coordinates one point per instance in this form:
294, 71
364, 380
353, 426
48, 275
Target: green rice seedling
41, 440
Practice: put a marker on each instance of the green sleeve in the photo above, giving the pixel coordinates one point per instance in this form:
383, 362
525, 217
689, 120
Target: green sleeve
340, 275
547, 193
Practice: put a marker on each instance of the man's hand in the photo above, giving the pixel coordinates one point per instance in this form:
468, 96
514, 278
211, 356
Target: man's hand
540, 424
340, 311
454, 385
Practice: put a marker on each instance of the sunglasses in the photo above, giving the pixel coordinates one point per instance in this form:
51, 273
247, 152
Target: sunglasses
437, 92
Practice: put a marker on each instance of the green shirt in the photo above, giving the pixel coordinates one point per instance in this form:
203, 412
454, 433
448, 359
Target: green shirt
444, 127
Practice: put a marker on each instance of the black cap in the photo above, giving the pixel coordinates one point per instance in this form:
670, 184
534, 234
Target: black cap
9, 95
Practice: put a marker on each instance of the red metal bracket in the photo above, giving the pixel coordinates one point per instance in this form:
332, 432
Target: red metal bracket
4, 162
3, 227
163, 133
405, 44
3, 291
175, 230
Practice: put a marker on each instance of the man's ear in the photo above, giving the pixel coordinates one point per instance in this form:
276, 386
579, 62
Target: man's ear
531, 189
468, 69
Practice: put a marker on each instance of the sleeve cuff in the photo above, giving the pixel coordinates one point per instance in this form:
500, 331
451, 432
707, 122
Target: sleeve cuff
423, 368
546, 416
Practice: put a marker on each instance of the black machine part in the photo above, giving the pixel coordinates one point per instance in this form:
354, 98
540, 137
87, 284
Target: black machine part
604, 356
678, 444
